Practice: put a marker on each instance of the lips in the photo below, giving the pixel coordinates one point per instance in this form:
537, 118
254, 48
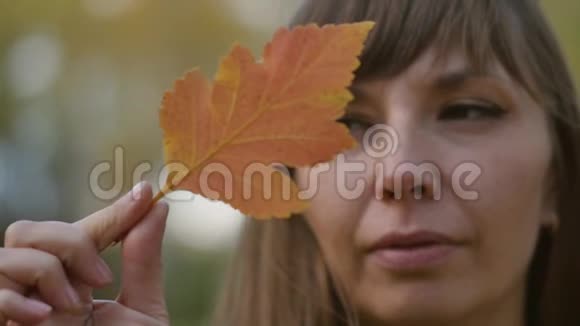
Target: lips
418, 250
410, 240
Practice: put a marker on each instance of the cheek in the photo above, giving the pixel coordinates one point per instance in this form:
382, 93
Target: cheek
337, 194
509, 209
334, 216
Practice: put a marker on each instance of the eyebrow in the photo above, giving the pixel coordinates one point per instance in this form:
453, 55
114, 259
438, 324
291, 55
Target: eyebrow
447, 81
454, 79
360, 96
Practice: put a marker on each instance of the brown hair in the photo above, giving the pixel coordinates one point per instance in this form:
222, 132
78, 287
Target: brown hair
278, 276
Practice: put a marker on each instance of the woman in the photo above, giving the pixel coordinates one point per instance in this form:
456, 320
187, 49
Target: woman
460, 81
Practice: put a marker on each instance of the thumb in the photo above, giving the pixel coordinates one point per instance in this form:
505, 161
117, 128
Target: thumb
142, 276
111, 223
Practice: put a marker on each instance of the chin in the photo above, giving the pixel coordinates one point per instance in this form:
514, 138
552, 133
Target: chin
409, 303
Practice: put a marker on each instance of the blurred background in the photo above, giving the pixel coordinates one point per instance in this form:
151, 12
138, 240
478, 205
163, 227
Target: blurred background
80, 87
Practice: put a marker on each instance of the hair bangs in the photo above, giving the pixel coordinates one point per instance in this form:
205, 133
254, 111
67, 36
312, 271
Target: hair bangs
408, 28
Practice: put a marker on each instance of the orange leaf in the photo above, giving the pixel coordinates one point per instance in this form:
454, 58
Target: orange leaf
227, 134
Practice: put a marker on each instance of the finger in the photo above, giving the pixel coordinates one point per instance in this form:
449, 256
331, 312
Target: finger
73, 246
7, 283
142, 275
57, 317
40, 270
111, 313
111, 223
84, 291
16, 307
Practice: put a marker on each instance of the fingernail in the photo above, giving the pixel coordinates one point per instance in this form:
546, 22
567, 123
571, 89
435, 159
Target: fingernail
104, 272
37, 307
137, 192
73, 300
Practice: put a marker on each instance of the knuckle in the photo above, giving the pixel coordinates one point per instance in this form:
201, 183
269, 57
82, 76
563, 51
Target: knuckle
14, 232
49, 267
63, 236
79, 236
72, 236
78, 243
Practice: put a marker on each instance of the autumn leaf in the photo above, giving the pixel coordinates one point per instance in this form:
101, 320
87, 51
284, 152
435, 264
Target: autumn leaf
226, 135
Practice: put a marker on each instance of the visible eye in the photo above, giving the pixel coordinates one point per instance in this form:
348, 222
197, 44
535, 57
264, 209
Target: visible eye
357, 126
471, 111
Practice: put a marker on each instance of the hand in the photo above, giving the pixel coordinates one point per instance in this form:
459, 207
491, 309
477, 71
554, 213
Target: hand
49, 269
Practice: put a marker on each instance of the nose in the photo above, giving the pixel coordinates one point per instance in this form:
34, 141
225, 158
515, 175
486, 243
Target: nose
406, 171
408, 185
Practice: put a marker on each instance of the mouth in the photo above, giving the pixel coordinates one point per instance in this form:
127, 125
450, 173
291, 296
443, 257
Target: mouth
416, 251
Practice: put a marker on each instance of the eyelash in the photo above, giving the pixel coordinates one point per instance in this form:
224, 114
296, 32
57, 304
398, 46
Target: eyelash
348, 121
453, 112
351, 120
485, 111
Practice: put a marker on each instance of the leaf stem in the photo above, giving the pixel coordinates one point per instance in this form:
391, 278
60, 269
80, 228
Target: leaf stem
167, 188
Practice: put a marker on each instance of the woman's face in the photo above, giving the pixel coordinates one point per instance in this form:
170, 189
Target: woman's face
463, 247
